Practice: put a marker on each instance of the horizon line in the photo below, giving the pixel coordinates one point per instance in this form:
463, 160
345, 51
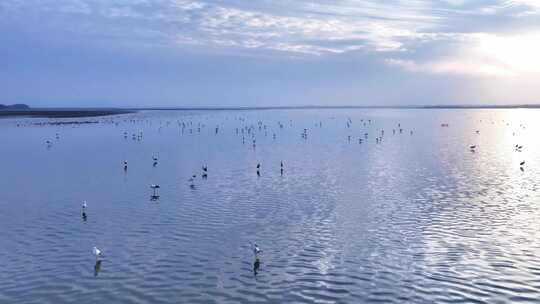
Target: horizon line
203, 108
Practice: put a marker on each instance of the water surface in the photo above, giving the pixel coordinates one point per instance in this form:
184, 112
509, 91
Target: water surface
415, 218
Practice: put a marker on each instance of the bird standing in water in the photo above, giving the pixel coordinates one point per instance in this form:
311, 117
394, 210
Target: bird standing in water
256, 250
97, 253
205, 172
192, 180
257, 263
155, 195
84, 210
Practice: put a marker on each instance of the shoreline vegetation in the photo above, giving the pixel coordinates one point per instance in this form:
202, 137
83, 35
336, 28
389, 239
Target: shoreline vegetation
62, 113
25, 111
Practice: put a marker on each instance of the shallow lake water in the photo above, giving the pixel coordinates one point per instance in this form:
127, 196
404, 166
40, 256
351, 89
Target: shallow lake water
414, 218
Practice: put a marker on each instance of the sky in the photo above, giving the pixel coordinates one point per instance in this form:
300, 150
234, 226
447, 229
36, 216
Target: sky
178, 53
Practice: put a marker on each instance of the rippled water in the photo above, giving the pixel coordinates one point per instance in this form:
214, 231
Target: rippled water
416, 218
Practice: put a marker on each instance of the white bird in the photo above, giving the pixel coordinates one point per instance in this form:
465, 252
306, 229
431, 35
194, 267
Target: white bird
256, 249
84, 205
97, 253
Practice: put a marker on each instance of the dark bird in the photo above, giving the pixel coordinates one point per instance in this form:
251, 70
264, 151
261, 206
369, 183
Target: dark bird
192, 180
154, 196
205, 172
84, 211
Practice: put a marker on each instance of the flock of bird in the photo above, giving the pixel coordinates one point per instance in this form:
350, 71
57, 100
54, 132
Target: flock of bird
244, 131
249, 132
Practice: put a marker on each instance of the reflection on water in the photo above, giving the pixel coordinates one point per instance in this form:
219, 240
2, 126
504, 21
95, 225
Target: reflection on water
97, 267
365, 210
256, 265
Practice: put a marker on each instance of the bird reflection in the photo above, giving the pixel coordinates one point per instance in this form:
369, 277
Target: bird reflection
256, 266
97, 268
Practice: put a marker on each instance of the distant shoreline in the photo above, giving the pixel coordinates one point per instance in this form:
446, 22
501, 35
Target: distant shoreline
63, 113
95, 112
336, 107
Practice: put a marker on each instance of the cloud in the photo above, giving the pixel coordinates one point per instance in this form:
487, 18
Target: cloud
460, 37
285, 26
457, 66
483, 54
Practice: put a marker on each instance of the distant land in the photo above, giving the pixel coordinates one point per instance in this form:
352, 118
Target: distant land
19, 106
24, 110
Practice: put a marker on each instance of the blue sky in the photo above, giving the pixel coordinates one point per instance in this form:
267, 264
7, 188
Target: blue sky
269, 53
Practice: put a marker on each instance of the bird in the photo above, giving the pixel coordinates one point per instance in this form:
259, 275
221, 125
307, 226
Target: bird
205, 172
84, 205
256, 249
472, 147
522, 163
192, 180
97, 253
154, 196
